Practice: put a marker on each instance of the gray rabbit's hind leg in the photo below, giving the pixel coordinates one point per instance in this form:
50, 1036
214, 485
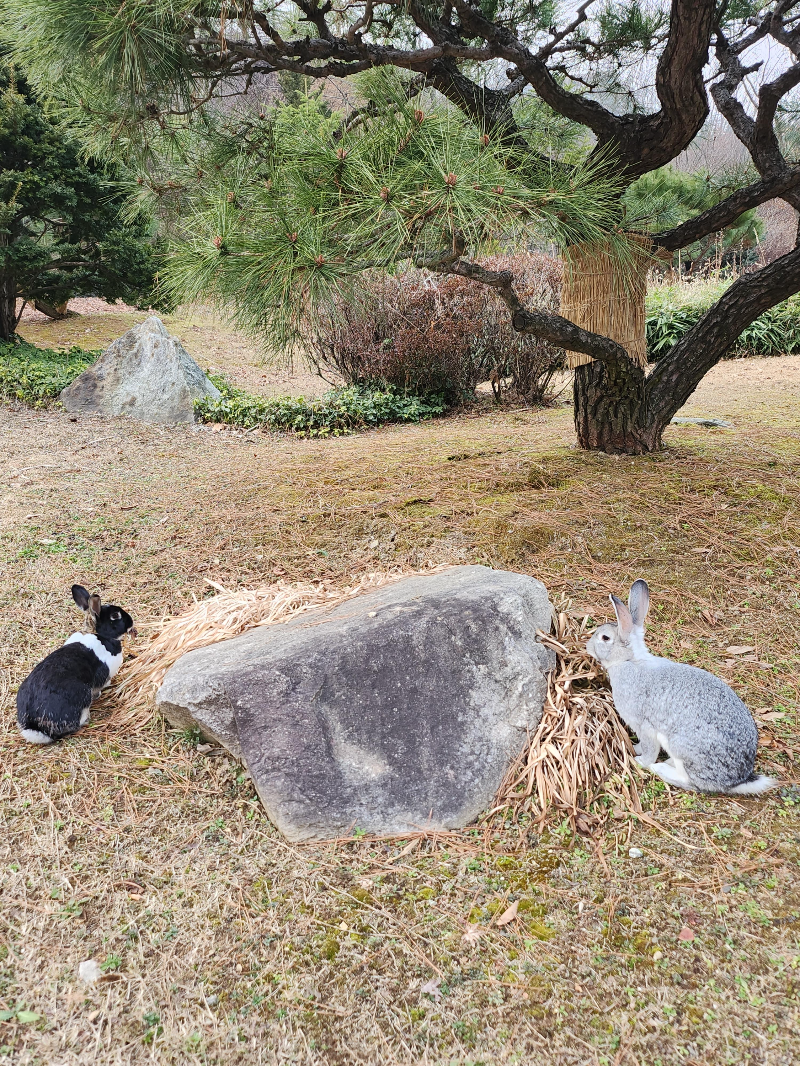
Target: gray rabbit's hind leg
647, 749
673, 773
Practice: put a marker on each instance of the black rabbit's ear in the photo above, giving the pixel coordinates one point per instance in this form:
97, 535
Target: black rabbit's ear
90, 604
624, 620
81, 597
639, 601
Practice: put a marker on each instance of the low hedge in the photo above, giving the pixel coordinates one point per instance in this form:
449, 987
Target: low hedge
673, 310
37, 375
338, 412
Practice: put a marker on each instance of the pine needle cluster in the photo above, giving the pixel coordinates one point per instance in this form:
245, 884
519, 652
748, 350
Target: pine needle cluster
273, 213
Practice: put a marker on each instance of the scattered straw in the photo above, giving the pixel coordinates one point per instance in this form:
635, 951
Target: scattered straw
581, 748
226, 615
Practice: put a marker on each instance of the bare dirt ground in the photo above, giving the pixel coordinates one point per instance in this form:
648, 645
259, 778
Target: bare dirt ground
219, 942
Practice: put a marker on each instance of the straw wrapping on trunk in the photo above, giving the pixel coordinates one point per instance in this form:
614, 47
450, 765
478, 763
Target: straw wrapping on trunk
606, 297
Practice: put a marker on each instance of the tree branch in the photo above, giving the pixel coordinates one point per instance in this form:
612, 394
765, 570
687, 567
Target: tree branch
553, 328
678, 373
728, 210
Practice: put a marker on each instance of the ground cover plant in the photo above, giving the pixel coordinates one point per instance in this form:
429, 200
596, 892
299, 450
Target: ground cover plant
217, 941
672, 310
37, 375
341, 410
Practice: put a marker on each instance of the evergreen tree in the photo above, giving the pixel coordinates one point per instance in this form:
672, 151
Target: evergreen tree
633, 79
60, 230
668, 197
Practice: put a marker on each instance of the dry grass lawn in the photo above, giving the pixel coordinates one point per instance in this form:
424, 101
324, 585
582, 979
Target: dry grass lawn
219, 942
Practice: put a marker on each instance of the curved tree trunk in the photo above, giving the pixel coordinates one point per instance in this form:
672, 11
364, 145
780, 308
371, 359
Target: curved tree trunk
55, 311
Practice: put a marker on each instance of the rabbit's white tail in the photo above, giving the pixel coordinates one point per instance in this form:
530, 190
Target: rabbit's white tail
33, 736
755, 784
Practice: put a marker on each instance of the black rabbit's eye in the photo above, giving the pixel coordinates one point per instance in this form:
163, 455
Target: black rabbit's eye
605, 636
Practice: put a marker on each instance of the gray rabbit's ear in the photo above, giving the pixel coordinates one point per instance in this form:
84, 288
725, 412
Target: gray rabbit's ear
639, 601
624, 620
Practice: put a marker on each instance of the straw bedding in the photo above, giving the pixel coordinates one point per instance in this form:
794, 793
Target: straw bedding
579, 764
226, 615
580, 753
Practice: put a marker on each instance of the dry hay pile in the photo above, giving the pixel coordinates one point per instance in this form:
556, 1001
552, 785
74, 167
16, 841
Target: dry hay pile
228, 614
580, 752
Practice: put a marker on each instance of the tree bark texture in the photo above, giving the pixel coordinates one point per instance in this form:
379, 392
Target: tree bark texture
8, 306
610, 407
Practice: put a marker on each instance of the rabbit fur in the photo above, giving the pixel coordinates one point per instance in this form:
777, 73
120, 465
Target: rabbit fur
54, 700
707, 732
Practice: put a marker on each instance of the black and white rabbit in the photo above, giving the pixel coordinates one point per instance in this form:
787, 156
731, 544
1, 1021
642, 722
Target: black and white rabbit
54, 699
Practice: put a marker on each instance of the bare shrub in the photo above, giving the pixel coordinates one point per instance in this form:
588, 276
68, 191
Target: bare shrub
441, 335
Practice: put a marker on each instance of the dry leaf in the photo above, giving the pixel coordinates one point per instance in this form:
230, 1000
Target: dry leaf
509, 915
744, 649
431, 988
406, 851
772, 716
472, 935
686, 933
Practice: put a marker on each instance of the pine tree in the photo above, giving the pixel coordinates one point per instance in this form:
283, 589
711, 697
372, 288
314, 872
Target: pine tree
60, 231
624, 88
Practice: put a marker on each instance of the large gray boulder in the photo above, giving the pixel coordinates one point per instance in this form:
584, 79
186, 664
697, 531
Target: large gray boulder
147, 374
398, 710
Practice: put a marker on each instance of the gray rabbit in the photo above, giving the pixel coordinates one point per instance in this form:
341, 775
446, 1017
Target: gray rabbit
702, 725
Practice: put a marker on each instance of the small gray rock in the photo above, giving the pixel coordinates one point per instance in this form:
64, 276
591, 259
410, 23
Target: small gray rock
147, 374
398, 710
709, 423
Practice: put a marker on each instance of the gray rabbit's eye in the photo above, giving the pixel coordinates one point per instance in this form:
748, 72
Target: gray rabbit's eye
605, 636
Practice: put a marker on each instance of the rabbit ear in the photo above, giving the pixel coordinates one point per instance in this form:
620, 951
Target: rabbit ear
81, 597
90, 604
624, 620
639, 601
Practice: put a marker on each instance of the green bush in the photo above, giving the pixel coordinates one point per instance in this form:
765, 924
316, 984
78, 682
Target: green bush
37, 375
339, 411
673, 310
